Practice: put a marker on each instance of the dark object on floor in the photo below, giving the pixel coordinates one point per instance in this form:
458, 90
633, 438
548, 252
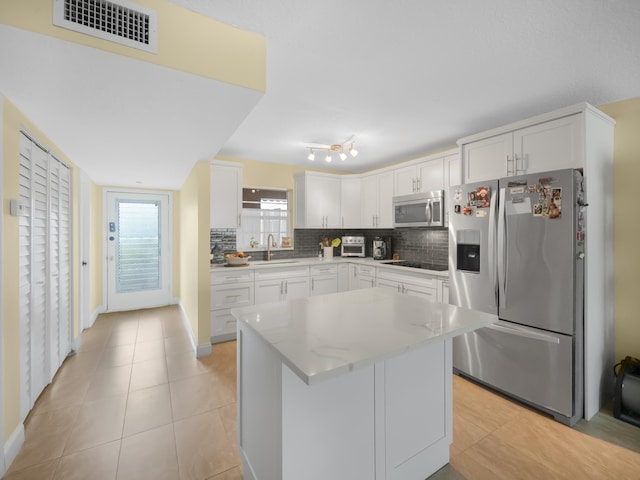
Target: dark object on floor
626, 397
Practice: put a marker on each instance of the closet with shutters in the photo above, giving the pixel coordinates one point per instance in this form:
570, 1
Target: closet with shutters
45, 268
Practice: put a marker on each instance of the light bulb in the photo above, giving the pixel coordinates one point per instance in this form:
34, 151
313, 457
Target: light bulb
328, 158
342, 156
353, 151
312, 156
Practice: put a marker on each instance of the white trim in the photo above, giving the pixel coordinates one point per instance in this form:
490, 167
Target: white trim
204, 350
3, 464
84, 214
201, 350
562, 112
105, 214
187, 327
13, 445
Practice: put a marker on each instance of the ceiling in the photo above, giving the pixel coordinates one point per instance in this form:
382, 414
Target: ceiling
405, 77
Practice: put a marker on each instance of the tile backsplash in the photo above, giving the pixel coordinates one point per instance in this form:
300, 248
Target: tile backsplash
414, 244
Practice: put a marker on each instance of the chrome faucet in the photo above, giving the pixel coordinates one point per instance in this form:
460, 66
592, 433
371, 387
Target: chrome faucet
269, 241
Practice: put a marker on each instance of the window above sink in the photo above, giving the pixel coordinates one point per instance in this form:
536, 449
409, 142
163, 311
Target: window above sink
264, 211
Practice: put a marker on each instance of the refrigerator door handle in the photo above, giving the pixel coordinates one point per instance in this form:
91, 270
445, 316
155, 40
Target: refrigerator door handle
524, 333
502, 250
492, 247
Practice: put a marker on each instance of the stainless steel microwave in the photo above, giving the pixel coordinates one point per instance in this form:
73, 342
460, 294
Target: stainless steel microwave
419, 210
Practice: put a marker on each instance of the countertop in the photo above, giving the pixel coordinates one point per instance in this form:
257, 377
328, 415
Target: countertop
293, 262
329, 335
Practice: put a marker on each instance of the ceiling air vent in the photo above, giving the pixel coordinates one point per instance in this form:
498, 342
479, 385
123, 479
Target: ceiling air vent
121, 22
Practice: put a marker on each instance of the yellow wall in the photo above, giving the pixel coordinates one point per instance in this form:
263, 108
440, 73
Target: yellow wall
216, 50
95, 250
193, 250
13, 121
626, 172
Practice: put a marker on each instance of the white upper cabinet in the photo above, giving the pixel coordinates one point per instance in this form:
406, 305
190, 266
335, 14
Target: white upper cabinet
377, 195
424, 175
431, 175
488, 158
405, 180
546, 145
549, 146
317, 200
226, 194
350, 202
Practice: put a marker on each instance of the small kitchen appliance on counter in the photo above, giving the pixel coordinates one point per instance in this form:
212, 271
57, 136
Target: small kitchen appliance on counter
352, 246
381, 249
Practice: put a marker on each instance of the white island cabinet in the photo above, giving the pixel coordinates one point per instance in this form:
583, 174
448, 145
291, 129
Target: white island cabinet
353, 385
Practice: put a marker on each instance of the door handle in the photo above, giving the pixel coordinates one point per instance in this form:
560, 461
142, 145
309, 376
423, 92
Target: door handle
502, 246
524, 333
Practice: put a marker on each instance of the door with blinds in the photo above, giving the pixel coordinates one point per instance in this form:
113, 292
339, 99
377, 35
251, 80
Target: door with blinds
138, 258
45, 268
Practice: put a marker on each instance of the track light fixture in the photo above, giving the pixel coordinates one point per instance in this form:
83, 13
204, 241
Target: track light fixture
340, 149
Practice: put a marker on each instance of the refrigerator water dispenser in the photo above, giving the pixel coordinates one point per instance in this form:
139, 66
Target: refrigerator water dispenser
468, 257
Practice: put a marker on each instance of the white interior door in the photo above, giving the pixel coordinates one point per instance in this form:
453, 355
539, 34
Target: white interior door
138, 254
45, 268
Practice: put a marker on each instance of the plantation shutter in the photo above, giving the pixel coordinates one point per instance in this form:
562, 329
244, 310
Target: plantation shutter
45, 268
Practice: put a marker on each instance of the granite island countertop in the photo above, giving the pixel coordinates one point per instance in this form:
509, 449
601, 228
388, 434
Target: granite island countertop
329, 335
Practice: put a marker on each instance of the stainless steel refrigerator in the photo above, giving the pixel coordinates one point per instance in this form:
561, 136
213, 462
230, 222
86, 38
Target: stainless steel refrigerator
516, 249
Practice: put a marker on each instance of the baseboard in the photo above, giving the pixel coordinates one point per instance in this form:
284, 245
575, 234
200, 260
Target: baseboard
94, 316
204, 350
13, 445
201, 350
187, 327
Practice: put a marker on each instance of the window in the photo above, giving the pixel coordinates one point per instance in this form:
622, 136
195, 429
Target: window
264, 212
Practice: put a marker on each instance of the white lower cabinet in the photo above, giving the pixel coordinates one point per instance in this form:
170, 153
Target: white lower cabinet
417, 284
443, 290
343, 277
365, 277
281, 284
324, 279
230, 288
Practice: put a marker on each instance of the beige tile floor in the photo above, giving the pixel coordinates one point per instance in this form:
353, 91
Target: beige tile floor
134, 403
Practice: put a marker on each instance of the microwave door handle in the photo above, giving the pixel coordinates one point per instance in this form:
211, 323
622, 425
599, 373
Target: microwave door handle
429, 212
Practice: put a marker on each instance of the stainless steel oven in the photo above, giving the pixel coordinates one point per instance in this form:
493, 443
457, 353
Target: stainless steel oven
419, 210
352, 246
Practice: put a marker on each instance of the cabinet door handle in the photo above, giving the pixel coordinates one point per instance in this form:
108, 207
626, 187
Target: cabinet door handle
282, 287
522, 164
413, 185
239, 220
510, 171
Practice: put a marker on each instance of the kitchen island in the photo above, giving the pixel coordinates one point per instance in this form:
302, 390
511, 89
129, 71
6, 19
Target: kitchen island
353, 385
